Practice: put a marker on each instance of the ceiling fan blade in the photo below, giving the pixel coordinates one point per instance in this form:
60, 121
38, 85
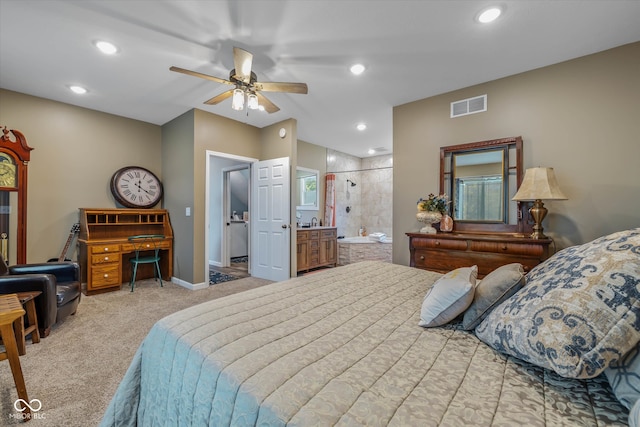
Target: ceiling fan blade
281, 87
242, 60
202, 76
269, 106
219, 98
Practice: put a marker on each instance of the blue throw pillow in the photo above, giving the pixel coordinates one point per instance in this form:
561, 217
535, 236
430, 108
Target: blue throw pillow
578, 311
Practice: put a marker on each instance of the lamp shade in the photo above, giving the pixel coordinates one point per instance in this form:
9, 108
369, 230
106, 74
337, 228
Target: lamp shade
539, 184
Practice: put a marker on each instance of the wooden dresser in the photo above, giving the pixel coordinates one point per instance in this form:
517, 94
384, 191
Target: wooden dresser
105, 251
443, 252
316, 247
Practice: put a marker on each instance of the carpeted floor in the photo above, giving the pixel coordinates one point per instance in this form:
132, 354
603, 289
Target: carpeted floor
75, 371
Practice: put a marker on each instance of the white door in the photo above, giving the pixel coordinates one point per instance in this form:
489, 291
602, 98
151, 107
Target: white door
270, 219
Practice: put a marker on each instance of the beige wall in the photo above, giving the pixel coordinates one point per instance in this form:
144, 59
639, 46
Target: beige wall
75, 153
580, 117
177, 157
220, 134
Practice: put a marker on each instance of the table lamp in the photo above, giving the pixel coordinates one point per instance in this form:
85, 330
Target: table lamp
539, 184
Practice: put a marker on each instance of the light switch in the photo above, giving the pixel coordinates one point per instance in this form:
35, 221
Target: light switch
187, 211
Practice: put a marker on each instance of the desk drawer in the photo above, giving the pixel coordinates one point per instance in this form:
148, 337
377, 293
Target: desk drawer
105, 258
165, 244
105, 275
100, 249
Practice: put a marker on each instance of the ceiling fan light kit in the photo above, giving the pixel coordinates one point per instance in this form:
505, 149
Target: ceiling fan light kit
246, 85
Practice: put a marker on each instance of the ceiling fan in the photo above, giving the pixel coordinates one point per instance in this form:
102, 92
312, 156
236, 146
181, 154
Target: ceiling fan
246, 84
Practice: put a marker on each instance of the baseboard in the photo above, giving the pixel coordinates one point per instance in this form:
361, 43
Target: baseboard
190, 286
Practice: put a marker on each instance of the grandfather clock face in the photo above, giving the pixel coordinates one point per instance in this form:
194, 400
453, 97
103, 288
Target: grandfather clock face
8, 171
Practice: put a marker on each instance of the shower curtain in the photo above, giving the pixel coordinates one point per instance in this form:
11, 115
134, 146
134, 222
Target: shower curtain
330, 200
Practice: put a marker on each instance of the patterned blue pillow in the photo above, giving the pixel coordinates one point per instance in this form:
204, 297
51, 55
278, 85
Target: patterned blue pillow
624, 377
579, 310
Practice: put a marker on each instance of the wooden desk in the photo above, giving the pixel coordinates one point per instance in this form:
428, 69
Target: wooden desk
105, 250
11, 311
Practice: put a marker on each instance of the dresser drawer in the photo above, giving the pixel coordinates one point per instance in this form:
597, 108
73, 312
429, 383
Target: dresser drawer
456, 245
302, 236
442, 261
99, 249
105, 275
507, 248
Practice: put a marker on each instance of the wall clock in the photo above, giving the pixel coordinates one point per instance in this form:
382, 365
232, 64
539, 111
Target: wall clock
136, 187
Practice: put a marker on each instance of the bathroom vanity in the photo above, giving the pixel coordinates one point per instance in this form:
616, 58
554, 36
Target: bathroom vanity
316, 247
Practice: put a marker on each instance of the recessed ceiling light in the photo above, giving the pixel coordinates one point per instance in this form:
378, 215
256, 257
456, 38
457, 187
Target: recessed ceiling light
361, 126
106, 47
489, 15
357, 69
371, 151
78, 89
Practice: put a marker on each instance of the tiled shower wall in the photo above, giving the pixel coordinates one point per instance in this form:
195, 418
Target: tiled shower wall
370, 201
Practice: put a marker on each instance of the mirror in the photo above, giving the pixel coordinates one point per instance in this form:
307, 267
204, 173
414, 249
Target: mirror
481, 178
479, 186
306, 189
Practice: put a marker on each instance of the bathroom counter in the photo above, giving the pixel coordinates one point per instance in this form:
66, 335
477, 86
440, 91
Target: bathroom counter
317, 227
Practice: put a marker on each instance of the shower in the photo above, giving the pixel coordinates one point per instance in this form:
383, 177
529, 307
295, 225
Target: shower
353, 184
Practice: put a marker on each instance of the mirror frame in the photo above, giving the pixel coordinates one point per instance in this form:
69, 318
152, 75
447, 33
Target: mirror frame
316, 205
511, 143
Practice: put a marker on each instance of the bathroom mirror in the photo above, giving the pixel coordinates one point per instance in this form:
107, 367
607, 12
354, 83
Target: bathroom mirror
480, 179
306, 189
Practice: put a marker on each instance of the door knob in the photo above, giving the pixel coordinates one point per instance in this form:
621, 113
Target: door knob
284, 225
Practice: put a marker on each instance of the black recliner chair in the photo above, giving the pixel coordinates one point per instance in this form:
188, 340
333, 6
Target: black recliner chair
59, 282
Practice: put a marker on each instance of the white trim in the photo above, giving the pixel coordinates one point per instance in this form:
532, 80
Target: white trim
188, 285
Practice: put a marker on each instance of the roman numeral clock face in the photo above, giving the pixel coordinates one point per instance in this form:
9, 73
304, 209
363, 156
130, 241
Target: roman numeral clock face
136, 187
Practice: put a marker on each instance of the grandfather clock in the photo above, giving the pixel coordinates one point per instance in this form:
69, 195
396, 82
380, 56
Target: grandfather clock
14, 160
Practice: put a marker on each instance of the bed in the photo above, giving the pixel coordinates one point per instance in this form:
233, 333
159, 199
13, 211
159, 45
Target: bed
343, 347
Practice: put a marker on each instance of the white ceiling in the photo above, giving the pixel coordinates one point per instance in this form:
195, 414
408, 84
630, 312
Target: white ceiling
412, 50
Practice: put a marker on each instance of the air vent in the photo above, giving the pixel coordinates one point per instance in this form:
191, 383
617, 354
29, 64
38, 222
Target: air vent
469, 106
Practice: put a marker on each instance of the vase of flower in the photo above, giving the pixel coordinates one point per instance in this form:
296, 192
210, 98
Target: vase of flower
428, 218
431, 210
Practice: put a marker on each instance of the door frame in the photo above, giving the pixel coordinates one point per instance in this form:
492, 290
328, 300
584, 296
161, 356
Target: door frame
209, 170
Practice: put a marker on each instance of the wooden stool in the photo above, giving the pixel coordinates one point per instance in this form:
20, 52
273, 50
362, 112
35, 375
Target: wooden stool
11, 311
27, 301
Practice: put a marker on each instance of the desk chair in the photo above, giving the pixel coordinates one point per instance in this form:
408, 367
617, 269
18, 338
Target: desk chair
141, 244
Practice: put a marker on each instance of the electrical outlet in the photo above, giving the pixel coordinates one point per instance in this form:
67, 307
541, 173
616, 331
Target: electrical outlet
187, 211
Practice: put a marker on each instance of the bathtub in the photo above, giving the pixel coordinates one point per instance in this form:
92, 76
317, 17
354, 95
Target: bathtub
355, 249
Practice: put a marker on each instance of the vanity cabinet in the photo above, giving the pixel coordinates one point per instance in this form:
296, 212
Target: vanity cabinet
316, 247
443, 252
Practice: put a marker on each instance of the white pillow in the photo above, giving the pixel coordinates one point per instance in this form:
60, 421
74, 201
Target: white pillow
450, 296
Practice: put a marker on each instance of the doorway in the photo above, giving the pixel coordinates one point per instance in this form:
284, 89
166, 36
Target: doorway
269, 228
225, 192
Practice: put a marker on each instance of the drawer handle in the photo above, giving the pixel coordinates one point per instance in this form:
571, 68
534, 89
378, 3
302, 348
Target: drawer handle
106, 249
422, 257
106, 258
106, 275
504, 247
148, 245
437, 243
